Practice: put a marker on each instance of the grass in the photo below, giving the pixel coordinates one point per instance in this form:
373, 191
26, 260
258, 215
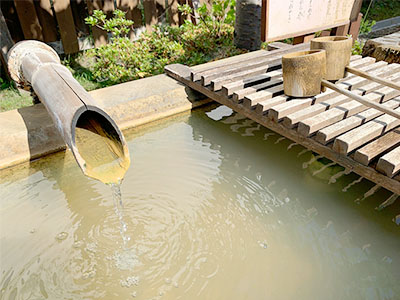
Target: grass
10, 98
381, 9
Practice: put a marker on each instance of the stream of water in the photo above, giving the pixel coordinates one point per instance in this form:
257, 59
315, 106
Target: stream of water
213, 207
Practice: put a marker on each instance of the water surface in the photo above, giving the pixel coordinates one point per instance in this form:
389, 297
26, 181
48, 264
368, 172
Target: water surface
215, 206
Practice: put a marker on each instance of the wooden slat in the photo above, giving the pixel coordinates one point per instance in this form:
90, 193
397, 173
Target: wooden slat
274, 86
46, 19
173, 13
389, 164
365, 133
66, 26
238, 61
182, 73
280, 111
150, 13
130, 7
99, 36
229, 88
292, 120
327, 134
216, 84
28, 19
367, 153
321, 120
267, 64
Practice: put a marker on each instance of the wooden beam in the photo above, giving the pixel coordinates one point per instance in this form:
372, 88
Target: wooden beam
46, 19
66, 25
28, 19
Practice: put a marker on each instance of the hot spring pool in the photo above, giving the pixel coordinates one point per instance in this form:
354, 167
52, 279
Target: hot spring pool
216, 207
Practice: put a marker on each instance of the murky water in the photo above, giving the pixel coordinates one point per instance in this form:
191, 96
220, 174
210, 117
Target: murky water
215, 207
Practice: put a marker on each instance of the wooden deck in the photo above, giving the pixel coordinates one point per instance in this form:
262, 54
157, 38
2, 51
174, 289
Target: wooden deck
363, 140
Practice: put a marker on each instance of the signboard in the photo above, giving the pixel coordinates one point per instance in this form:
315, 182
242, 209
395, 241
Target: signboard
289, 18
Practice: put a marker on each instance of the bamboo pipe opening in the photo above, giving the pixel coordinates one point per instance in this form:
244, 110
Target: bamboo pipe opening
104, 154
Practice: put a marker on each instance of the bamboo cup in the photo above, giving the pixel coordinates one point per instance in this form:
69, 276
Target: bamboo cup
338, 52
302, 72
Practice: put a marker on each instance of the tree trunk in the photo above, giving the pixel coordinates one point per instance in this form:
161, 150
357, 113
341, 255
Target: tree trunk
248, 24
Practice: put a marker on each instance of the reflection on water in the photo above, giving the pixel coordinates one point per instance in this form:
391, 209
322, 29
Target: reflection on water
216, 207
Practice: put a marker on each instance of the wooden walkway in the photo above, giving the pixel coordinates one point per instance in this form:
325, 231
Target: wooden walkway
361, 139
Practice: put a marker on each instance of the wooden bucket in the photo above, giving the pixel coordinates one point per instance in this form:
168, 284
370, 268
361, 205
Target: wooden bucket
302, 72
338, 52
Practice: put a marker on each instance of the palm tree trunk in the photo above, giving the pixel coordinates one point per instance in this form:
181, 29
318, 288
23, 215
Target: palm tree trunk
248, 24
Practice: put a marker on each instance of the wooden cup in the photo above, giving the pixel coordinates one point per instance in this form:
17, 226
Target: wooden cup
302, 72
338, 52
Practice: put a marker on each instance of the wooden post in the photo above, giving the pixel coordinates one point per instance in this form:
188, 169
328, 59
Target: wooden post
264, 11
340, 30
28, 19
303, 38
46, 19
173, 12
150, 13
355, 27
66, 25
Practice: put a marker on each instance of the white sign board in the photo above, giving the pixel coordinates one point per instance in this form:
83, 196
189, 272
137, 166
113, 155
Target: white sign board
289, 18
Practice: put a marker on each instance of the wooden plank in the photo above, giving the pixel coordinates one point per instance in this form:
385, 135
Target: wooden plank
66, 25
365, 133
262, 105
28, 19
237, 61
274, 87
362, 100
99, 36
46, 19
389, 164
329, 117
268, 64
371, 77
150, 15
303, 38
173, 13
182, 74
355, 27
272, 92
133, 13
229, 88
217, 84
372, 150
280, 111
293, 119
327, 134
277, 46
354, 81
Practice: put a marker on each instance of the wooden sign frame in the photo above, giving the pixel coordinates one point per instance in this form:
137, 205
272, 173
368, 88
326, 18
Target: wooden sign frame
265, 30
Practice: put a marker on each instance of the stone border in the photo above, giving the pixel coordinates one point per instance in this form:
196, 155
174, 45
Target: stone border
28, 133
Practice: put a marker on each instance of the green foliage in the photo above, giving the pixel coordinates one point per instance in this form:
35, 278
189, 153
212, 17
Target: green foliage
366, 26
380, 10
118, 25
357, 48
123, 60
222, 12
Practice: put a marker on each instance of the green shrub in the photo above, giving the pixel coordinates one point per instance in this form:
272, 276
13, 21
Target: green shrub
122, 59
357, 48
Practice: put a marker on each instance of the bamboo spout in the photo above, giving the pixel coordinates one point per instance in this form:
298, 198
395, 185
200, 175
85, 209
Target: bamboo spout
72, 109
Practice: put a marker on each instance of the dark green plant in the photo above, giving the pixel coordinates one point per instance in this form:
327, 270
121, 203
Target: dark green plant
366, 26
122, 59
221, 12
118, 25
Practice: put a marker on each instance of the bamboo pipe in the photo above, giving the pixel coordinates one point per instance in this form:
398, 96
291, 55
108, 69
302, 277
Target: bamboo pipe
386, 82
67, 102
360, 99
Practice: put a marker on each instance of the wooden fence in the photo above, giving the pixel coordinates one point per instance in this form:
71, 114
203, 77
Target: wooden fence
55, 20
